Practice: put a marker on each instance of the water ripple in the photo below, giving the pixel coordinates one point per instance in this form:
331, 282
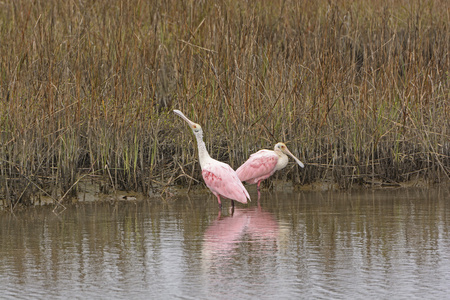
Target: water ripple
291, 246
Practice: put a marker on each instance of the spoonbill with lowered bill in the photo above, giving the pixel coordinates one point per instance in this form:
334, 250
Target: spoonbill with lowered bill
262, 164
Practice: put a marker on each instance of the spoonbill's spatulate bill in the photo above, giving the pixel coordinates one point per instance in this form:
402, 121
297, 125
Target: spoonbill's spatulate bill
262, 164
219, 177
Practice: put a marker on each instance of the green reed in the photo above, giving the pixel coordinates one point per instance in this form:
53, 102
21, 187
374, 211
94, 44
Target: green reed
358, 90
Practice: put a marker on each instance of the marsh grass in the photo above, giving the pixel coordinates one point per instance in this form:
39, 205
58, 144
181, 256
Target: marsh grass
359, 90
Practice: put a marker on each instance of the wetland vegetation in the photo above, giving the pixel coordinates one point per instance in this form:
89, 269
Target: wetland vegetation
358, 90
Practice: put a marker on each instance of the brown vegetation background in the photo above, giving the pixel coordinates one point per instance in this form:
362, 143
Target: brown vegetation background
358, 90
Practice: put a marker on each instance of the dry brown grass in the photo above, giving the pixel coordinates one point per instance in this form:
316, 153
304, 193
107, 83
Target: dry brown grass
359, 90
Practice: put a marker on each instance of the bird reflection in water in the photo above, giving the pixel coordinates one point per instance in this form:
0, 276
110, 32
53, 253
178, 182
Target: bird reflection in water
242, 230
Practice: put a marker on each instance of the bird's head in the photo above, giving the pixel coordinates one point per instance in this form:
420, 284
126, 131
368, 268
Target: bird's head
280, 147
283, 148
196, 128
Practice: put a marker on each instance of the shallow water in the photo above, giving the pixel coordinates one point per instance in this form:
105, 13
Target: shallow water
367, 244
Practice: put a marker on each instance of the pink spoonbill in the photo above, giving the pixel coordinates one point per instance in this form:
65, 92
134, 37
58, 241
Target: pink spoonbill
219, 177
262, 164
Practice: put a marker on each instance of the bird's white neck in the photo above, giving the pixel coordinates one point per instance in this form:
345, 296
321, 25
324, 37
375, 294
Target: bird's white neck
203, 155
282, 161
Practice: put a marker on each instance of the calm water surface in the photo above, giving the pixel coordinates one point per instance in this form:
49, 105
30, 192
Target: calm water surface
362, 245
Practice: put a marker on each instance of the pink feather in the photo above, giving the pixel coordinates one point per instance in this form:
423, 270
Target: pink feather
259, 166
221, 179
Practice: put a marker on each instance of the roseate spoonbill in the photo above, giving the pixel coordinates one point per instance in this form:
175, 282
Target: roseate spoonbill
262, 164
219, 177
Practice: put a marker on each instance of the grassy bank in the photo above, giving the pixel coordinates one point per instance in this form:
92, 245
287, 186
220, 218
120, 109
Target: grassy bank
359, 90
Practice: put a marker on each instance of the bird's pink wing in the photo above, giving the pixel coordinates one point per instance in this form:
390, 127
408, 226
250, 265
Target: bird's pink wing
220, 178
259, 166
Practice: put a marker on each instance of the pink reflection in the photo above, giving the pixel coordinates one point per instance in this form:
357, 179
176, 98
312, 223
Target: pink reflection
245, 225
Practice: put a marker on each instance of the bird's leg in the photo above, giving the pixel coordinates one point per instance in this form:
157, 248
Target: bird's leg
259, 193
220, 203
232, 203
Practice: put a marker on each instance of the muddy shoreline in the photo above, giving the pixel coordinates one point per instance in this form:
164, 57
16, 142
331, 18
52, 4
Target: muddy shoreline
89, 192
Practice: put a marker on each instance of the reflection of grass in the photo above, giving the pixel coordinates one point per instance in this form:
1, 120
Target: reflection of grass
358, 90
